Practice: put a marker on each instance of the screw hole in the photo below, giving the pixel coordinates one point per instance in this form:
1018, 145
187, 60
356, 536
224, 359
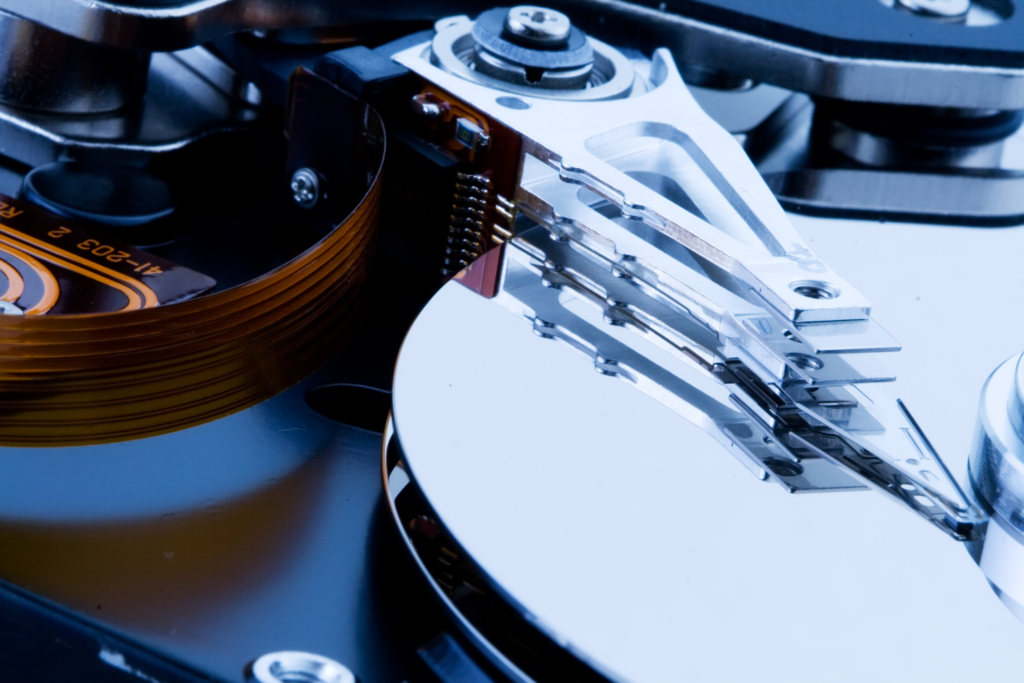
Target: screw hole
814, 289
299, 667
805, 362
513, 103
783, 468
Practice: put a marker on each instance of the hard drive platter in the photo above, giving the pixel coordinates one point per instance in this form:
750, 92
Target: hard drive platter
627, 538
467, 344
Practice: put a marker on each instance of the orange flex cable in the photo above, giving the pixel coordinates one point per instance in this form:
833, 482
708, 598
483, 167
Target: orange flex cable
134, 300
15, 283
148, 294
68, 380
51, 288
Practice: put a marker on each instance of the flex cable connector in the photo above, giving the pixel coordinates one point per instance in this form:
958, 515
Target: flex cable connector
648, 242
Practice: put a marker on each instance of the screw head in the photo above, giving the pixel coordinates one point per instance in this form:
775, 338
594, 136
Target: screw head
306, 188
425, 108
538, 26
943, 10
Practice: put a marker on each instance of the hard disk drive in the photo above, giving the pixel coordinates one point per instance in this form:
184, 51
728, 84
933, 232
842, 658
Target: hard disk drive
445, 342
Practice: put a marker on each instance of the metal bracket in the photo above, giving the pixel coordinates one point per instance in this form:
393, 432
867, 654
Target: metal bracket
664, 258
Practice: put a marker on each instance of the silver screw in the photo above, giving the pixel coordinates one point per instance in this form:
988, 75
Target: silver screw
943, 10
538, 25
284, 667
306, 188
424, 108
